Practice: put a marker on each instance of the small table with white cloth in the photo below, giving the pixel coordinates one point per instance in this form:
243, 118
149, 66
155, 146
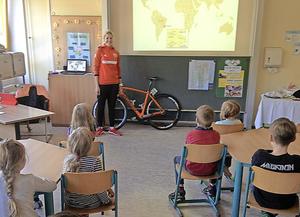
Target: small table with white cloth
270, 109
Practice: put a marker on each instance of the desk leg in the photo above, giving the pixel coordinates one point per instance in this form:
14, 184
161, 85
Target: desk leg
49, 205
46, 132
17, 131
237, 189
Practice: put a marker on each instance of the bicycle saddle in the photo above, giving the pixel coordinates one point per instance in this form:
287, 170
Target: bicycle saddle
153, 78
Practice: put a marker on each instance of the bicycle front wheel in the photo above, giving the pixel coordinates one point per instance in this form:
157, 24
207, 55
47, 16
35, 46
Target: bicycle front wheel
171, 115
120, 113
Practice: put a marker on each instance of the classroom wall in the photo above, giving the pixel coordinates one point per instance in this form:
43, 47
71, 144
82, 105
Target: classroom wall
37, 19
16, 35
135, 73
76, 7
279, 16
39, 40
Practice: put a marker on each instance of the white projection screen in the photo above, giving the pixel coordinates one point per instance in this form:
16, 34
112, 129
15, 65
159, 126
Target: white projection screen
184, 25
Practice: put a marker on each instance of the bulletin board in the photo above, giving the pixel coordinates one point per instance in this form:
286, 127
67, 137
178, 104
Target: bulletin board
231, 77
75, 37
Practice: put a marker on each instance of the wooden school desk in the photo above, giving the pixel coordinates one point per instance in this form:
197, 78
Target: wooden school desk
44, 160
13, 115
242, 146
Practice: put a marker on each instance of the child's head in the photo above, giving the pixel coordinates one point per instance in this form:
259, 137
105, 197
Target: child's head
82, 117
230, 109
205, 115
283, 131
79, 143
12, 161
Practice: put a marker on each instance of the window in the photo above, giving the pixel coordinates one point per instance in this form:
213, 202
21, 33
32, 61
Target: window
3, 22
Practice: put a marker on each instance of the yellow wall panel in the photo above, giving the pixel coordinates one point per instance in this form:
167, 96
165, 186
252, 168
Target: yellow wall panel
76, 7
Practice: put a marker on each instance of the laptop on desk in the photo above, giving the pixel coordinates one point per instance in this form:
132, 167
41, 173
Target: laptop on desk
76, 67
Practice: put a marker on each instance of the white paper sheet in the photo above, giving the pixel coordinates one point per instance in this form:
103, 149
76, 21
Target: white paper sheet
201, 74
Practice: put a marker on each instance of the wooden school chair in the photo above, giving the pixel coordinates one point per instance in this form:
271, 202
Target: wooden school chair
282, 183
226, 129
200, 154
90, 183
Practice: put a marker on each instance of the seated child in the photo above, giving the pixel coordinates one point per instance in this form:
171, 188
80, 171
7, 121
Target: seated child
79, 144
20, 188
230, 112
283, 132
203, 134
82, 117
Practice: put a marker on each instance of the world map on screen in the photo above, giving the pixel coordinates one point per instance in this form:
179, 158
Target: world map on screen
204, 25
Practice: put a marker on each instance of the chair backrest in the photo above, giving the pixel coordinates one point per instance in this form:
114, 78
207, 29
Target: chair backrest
96, 149
282, 183
226, 129
90, 182
204, 153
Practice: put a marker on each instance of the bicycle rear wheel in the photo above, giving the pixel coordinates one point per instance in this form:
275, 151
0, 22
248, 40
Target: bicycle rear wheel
120, 113
171, 115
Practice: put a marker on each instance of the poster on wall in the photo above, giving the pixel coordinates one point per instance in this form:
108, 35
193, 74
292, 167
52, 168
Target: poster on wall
78, 46
201, 74
231, 79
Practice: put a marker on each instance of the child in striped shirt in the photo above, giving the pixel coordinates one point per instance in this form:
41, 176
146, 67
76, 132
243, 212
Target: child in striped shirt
79, 144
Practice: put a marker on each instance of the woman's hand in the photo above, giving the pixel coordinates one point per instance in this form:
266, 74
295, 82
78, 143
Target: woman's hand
97, 90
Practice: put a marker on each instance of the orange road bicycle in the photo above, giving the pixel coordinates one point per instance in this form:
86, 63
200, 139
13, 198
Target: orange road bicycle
161, 110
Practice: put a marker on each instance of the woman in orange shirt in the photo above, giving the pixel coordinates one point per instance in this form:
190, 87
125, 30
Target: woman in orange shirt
107, 77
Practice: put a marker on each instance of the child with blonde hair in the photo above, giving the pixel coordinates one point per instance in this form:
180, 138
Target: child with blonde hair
203, 134
79, 143
82, 117
230, 112
20, 187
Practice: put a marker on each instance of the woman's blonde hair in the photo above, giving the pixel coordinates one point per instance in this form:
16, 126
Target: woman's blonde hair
82, 117
108, 32
283, 131
205, 115
230, 109
12, 154
79, 144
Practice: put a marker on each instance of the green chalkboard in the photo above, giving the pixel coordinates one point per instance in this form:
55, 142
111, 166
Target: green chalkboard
173, 74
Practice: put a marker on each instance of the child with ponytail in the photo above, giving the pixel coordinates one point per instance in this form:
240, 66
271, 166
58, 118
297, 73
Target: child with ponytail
79, 144
20, 188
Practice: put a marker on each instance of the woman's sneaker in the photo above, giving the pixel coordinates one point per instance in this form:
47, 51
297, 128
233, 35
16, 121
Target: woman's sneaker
114, 132
99, 131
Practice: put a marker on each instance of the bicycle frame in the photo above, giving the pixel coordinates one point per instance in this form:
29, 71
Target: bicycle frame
148, 96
